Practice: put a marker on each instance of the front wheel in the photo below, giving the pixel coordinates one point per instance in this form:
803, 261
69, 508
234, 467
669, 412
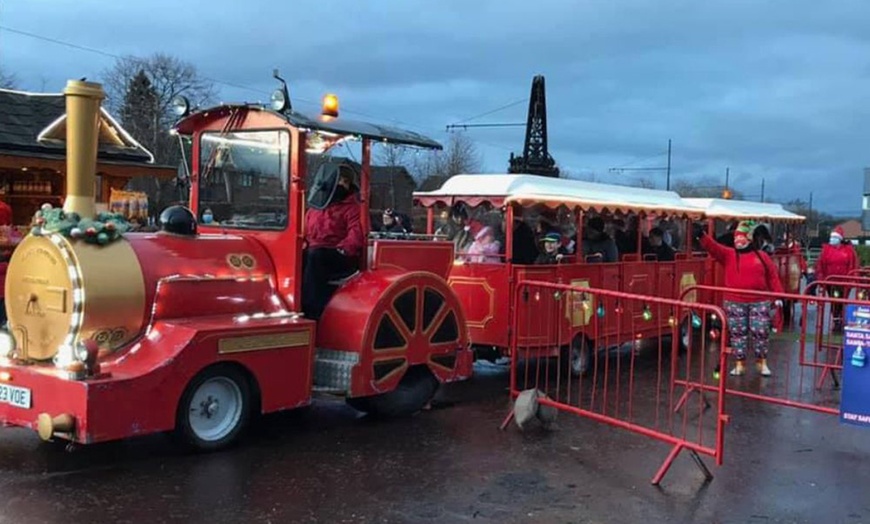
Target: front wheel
214, 409
414, 391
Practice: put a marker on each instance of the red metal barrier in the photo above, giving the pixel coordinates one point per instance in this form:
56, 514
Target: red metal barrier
802, 360
636, 373
861, 271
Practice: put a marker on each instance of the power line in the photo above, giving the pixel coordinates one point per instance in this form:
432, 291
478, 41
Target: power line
496, 110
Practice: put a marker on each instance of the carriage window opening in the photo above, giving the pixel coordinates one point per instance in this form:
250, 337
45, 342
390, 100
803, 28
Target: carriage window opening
243, 179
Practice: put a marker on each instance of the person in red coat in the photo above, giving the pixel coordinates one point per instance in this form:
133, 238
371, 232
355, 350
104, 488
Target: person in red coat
749, 317
335, 241
837, 258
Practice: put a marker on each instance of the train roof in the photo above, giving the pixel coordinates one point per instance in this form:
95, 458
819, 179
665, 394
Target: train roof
500, 189
326, 124
742, 209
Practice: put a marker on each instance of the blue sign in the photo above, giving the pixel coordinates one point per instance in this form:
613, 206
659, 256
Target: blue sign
855, 397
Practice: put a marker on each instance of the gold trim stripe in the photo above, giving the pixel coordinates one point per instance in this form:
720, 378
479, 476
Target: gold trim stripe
263, 342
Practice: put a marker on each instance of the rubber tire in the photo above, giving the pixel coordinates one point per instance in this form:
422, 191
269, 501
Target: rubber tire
414, 391
582, 345
182, 423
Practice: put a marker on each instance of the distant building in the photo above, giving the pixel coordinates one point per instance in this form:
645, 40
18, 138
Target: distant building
852, 228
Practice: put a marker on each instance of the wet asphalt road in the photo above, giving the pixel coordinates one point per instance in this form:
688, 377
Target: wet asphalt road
452, 464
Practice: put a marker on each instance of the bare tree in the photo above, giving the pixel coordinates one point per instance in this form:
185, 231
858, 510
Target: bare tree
644, 183
8, 80
393, 156
168, 77
140, 91
460, 156
816, 220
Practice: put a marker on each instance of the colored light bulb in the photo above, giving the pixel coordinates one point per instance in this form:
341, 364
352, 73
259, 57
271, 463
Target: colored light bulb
647, 313
696, 321
601, 311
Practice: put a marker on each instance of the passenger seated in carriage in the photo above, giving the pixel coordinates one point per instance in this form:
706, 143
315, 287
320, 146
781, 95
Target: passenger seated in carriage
657, 246
525, 249
485, 248
395, 222
550, 254
459, 229
334, 236
597, 245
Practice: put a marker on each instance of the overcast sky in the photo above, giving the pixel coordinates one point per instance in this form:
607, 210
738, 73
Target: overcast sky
774, 89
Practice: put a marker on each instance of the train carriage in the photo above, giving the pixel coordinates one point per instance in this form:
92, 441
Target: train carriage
487, 290
198, 326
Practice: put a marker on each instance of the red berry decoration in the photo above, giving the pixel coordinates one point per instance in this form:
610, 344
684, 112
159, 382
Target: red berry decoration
110, 226
91, 231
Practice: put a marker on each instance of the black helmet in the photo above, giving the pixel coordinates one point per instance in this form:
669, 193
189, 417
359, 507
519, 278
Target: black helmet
178, 220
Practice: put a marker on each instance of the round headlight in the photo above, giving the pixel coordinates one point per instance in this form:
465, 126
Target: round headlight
180, 106
279, 100
7, 344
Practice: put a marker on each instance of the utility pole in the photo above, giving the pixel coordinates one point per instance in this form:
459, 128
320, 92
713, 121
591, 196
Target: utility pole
726, 193
810, 214
762, 190
668, 184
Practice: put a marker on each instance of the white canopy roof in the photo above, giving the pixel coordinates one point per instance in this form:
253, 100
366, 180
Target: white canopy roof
741, 209
531, 189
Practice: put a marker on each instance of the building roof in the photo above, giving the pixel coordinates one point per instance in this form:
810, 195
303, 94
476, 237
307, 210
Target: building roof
34, 125
499, 189
742, 209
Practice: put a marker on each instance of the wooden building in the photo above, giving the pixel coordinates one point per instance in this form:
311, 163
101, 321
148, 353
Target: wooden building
33, 157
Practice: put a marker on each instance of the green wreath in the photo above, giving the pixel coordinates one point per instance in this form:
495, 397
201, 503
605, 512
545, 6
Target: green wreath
102, 230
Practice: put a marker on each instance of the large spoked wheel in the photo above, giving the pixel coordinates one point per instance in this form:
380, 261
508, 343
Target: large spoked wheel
577, 358
414, 391
214, 409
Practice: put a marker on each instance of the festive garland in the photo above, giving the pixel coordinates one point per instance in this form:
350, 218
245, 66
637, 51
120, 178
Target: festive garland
105, 228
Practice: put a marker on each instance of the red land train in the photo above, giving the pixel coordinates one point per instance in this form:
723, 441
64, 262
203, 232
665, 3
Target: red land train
197, 329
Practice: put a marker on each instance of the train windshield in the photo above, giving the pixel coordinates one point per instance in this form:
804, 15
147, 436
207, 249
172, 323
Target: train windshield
243, 179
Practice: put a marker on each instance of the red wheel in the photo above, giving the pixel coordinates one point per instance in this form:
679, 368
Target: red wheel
413, 338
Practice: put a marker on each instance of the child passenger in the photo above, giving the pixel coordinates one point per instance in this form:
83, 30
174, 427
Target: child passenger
551, 253
485, 248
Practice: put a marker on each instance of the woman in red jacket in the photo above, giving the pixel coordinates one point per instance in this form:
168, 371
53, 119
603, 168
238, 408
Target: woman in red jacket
749, 317
837, 258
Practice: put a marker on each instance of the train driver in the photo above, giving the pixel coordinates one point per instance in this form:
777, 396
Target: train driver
333, 234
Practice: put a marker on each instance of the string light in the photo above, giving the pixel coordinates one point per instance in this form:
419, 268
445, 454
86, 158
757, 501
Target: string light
647, 313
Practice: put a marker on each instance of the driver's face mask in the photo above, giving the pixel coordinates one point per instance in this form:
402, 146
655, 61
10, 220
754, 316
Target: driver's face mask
207, 217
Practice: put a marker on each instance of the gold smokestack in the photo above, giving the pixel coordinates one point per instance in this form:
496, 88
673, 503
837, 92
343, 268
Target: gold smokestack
82, 136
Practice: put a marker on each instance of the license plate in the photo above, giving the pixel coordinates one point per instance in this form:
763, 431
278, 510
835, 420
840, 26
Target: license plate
15, 396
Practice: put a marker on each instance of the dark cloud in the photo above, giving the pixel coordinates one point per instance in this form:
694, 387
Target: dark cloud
775, 90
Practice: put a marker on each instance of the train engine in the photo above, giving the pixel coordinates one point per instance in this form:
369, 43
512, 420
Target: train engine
196, 327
